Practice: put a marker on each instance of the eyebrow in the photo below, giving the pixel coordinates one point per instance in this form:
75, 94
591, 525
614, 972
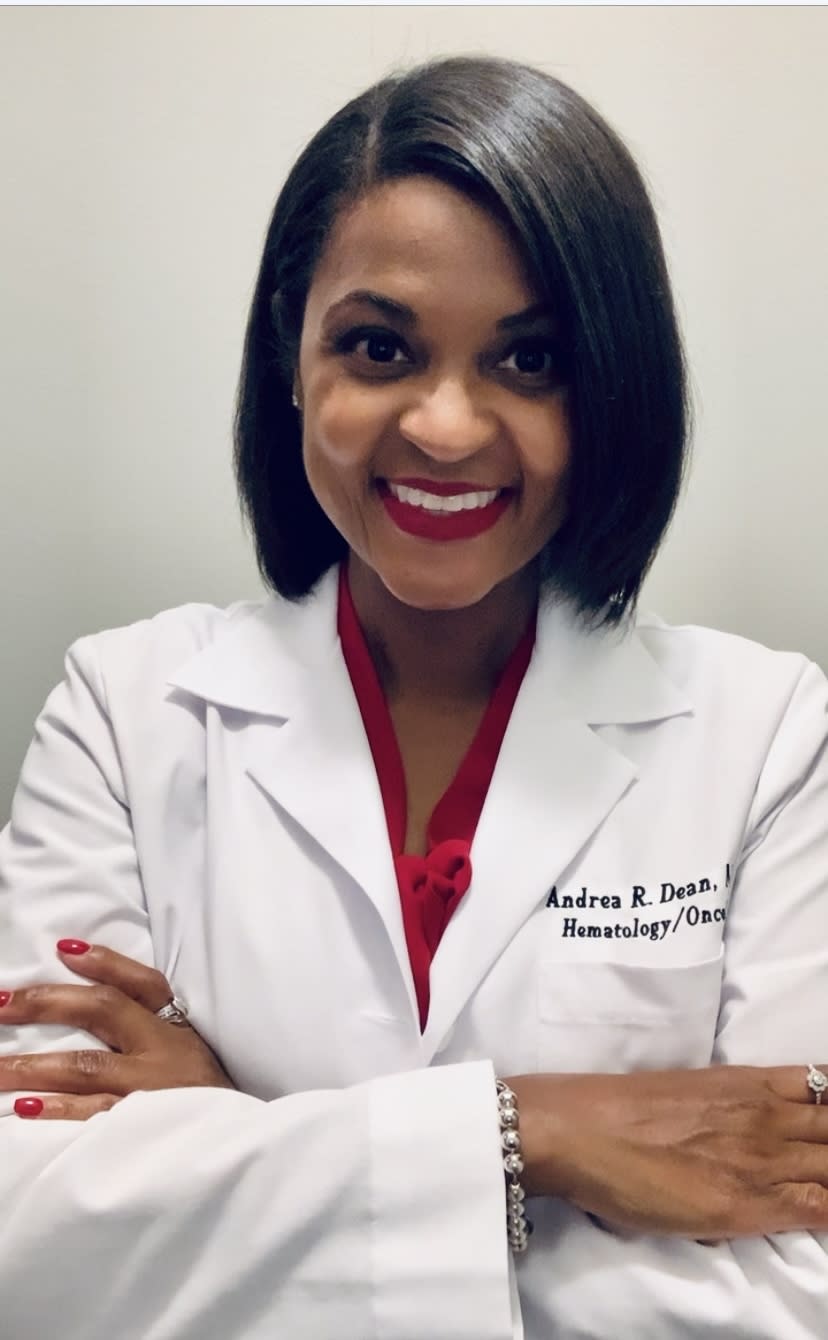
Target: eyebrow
398, 311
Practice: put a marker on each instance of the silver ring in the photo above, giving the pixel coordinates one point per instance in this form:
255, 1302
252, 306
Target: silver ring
817, 1082
175, 1012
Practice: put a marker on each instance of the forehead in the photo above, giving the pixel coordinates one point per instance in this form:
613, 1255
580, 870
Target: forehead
418, 238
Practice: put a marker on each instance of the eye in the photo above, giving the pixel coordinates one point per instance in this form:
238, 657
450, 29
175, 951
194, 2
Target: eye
537, 360
374, 346
381, 348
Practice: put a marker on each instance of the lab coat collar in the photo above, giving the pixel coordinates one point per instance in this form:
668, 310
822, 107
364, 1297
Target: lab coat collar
266, 660
555, 780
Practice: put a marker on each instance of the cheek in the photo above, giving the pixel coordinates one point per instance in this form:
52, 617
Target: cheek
339, 437
546, 458
344, 426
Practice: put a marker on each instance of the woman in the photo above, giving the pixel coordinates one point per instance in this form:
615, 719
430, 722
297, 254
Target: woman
439, 812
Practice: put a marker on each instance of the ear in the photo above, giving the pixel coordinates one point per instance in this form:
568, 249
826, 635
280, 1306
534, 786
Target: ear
297, 393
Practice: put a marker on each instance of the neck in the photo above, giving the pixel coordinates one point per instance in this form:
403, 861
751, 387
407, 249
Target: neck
452, 656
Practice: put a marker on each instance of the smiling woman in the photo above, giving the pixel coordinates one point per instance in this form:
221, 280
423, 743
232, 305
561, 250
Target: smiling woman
493, 217
411, 822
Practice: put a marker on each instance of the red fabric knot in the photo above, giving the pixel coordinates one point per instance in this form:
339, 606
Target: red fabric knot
437, 882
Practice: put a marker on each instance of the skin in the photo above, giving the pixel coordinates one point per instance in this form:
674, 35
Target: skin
723, 1152
147, 1052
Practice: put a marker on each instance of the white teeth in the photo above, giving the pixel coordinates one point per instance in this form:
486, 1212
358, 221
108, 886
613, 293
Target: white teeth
458, 502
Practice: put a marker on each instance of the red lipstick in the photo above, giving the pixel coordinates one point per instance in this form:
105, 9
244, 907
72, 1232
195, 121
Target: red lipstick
443, 526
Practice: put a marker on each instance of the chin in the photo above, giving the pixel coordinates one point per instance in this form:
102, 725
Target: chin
443, 592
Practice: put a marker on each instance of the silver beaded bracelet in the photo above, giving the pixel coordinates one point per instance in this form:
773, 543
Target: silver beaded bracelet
517, 1225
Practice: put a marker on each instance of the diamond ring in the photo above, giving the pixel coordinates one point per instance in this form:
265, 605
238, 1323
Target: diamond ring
817, 1082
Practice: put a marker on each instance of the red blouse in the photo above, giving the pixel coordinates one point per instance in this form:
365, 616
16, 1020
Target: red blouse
431, 886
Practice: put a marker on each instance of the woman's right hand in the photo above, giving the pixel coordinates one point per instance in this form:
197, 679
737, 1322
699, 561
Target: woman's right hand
730, 1151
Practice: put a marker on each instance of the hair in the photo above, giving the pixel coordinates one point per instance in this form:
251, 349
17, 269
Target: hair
535, 154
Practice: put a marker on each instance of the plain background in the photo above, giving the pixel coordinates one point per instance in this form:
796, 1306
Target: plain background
142, 149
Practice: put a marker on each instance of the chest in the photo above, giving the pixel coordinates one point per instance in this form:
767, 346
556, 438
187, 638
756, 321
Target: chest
276, 913
432, 744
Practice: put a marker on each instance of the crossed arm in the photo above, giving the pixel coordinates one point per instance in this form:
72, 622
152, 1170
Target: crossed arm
729, 1151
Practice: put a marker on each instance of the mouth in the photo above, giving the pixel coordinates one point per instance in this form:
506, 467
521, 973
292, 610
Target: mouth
445, 511
462, 498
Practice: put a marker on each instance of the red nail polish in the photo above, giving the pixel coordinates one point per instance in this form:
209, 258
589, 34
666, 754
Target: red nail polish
72, 946
28, 1107
5, 997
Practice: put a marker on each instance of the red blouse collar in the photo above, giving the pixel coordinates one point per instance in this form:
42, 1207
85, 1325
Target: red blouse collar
457, 813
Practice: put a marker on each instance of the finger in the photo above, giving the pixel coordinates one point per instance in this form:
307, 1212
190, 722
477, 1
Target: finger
148, 986
805, 1205
802, 1162
804, 1123
65, 1107
81, 1072
103, 1011
791, 1082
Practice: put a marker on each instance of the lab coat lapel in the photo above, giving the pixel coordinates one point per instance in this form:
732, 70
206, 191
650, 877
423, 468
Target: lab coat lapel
555, 781
304, 744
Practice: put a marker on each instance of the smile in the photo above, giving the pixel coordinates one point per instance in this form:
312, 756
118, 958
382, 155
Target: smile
445, 515
457, 502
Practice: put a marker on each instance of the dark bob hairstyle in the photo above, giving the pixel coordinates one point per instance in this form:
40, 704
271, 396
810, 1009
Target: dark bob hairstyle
541, 159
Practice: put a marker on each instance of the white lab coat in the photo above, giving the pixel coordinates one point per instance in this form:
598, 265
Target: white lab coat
650, 889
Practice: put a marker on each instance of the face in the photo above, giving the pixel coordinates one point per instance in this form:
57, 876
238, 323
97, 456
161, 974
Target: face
434, 415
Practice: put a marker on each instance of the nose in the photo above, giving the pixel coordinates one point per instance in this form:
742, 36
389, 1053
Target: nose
449, 422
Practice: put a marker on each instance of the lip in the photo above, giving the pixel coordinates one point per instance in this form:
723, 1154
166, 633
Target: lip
446, 526
451, 489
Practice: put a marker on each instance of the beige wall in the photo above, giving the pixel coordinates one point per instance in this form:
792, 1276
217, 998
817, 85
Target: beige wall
141, 152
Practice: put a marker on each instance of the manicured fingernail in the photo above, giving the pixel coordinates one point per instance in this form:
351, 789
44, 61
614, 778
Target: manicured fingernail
5, 997
28, 1107
72, 946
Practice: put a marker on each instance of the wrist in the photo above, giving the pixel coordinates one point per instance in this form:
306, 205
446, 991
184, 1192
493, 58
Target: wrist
519, 1227
535, 1136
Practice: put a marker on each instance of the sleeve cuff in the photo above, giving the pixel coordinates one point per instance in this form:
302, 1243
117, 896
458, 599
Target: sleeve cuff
441, 1259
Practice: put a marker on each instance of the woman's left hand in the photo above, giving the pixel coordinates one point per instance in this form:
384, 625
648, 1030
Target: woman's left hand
149, 1053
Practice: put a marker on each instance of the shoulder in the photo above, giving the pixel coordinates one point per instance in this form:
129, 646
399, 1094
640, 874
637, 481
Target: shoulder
238, 656
731, 676
696, 654
150, 650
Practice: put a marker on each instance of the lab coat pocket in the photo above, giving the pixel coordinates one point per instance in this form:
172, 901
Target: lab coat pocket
617, 1017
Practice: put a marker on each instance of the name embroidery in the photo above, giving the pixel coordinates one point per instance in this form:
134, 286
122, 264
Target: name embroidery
641, 896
